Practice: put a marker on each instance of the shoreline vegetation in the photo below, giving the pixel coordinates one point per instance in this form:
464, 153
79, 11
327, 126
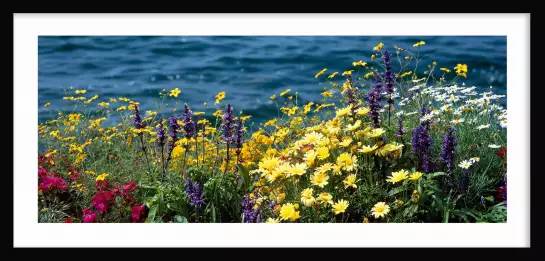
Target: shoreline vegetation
383, 145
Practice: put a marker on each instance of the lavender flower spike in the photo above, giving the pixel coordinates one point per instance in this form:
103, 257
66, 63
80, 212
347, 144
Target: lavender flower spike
251, 213
161, 134
447, 150
238, 137
190, 127
373, 100
194, 192
227, 125
138, 124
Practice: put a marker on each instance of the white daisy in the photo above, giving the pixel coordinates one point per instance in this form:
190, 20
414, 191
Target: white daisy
483, 126
465, 164
494, 146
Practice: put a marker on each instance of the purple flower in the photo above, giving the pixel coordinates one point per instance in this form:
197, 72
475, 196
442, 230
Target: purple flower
173, 134
389, 76
400, 130
238, 138
161, 134
190, 127
373, 100
138, 124
421, 142
194, 192
227, 125
351, 94
447, 150
250, 213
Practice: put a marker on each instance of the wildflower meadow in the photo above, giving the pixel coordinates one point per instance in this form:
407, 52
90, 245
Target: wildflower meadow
384, 144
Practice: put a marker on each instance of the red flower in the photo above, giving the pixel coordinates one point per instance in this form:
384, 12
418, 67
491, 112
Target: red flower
101, 201
139, 213
89, 216
51, 183
102, 185
129, 187
42, 172
68, 220
501, 152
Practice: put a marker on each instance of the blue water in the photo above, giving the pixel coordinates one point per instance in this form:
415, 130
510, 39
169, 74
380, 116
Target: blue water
248, 68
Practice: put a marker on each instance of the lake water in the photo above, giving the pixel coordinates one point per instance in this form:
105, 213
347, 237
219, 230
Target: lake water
248, 68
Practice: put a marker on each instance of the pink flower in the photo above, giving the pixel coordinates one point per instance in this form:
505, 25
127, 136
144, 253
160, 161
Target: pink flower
51, 183
101, 201
89, 216
139, 213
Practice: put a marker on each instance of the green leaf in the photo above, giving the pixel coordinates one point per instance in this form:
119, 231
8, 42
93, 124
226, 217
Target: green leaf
180, 219
245, 175
213, 210
436, 174
396, 190
152, 213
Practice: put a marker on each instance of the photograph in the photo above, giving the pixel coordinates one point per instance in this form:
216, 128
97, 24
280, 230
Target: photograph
272, 129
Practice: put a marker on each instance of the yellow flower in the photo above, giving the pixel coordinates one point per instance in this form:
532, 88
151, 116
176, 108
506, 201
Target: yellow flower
378, 47
312, 138
365, 220
398, 176
151, 113
373, 57
174, 93
177, 152
47, 104
319, 179
273, 97
273, 220
353, 127
419, 44
376, 132
461, 70
307, 107
346, 141
289, 111
415, 176
350, 181
112, 100
287, 211
323, 168
366, 149
369, 74
406, 73
360, 63
320, 72
101, 177
280, 197
122, 108
340, 206
336, 169
104, 105
218, 113
327, 94
310, 157
325, 198
81, 91
349, 72
332, 75
344, 111
53, 152
380, 209
347, 161
220, 96
285, 92
298, 169
307, 198
363, 111
323, 153
90, 100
